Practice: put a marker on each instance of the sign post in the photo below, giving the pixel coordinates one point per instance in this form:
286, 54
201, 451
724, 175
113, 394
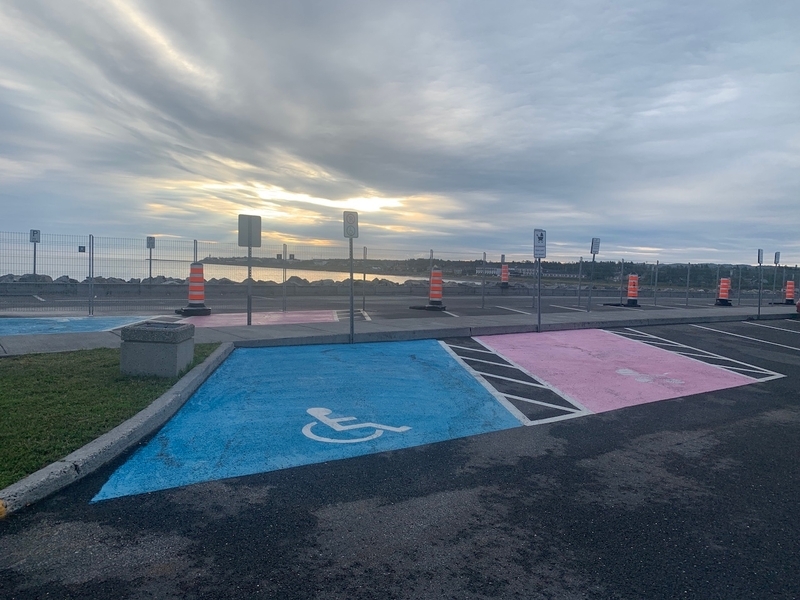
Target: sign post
151, 243
249, 236
760, 278
36, 237
351, 231
775, 275
539, 252
594, 250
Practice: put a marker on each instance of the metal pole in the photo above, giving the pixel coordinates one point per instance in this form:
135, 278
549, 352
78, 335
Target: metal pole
364, 284
688, 274
352, 318
34, 257
774, 280
249, 285
195, 251
760, 285
591, 285
621, 279
539, 302
151, 264
430, 266
580, 278
483, 283
285, 257
783, 285
91, 275
739, 293
655, 287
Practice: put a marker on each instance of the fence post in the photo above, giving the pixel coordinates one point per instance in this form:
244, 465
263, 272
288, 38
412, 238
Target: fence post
580, 278
688, 274
655, 287
483, 283
91, 275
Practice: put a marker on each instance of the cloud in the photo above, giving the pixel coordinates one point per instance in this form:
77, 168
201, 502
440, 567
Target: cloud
665, 128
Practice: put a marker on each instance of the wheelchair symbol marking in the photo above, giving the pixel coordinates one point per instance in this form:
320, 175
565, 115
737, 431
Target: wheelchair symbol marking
336, 424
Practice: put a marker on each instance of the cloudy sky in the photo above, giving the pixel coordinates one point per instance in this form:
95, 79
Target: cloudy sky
669, 129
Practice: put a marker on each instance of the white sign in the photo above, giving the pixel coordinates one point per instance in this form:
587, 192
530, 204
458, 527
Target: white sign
249, 231
36, 236
350, 224
151, 241
336, 425
595, 245
760, 256
539, 243
777, 258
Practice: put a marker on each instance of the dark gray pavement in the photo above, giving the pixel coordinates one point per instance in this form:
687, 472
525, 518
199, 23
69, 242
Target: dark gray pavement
695, 497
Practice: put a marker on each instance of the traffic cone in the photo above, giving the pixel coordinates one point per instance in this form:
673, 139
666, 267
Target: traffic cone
790, 292
633, 290
197, 293
435, 294
504, 276
723, 292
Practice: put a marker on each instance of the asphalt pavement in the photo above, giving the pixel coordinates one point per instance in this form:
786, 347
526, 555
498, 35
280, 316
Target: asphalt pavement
694, 496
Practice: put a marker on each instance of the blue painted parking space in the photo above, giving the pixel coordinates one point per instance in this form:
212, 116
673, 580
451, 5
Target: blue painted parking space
274, 408
28, 326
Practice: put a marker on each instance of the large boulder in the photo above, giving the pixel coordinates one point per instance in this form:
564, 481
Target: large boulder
31, 278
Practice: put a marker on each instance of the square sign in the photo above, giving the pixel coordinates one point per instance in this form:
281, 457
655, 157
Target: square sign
151, 241
249, 231
760, 256
595, 245
36, 236
350, 224
539, 243
777, 258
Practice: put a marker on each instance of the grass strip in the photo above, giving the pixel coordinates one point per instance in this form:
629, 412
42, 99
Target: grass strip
52, 404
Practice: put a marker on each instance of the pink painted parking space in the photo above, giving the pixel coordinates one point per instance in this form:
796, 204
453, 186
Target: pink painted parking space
603, 371
268, 318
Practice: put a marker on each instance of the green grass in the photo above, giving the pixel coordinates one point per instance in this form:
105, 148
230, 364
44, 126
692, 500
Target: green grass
52, 404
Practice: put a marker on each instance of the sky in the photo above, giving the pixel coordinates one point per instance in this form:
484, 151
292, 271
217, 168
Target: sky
668, 129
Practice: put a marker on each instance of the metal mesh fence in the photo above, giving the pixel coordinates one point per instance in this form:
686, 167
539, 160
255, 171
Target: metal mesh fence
88, 274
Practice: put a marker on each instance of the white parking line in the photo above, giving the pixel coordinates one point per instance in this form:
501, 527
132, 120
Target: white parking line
747, 337
771, 327
513, 310
697, 354
568, 307
449, 313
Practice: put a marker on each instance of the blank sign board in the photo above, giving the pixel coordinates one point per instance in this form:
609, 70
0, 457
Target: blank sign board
250, 231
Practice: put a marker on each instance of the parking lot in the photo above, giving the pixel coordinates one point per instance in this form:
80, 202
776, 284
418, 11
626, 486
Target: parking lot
642, 462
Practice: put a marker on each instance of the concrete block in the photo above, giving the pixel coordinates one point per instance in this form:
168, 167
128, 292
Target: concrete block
159, 349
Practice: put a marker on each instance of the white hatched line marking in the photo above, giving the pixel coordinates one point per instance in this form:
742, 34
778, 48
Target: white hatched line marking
39, 298
336, 316
513, 310
529, 383
366, 316
747, 337
549, 386
771, 327
707, 354
530, 401
472, 349
486, 362
568, 307
449, 313
488, 386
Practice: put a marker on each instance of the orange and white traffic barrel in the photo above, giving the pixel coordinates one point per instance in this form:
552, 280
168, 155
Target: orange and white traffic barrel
633, 290
197, 293
790, 292
724, 292
504, 276
435, 293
